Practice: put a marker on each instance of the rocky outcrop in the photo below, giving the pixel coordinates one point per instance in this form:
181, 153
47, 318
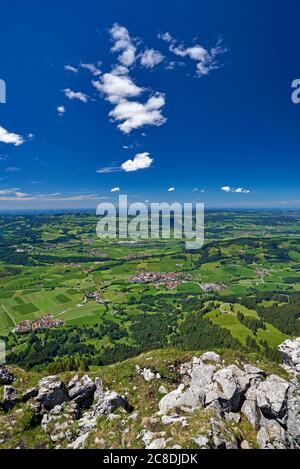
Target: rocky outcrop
9, 397
58, 422
29, 394
6, 377
272, 436
208, 408
52, 392
64, 406
290, 351
271, 397
208, 384
107, 402
271, 404
81, 390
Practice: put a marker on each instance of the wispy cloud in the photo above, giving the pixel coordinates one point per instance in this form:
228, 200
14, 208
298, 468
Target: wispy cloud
12, 169
108, 169
15, 194
239, 190
206, 59
76, 95
12, 192
70, 68
92, 68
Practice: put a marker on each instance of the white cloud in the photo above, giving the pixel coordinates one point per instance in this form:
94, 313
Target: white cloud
140, 161
135, 114
123, 44
61, 110
70, 68
116, 87
206, 58
94, 69
120, 70
239, 190
150, 58
115, 189
76, 95
165, 37
171, 189
197, 52
10, 137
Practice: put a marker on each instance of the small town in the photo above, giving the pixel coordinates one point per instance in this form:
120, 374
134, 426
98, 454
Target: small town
169, 280
96, 296
45, 322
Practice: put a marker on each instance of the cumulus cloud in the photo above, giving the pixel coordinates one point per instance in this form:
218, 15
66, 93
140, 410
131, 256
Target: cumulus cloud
76, 95
116, 87
70, 68
120, 90
94, 69
150, 58
135, 114
61, 110
239, 190
171, 189
123, 44
140, 161
115, 189
10, 137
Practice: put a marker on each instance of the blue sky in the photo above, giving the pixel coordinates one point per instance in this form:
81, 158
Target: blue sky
147, 96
